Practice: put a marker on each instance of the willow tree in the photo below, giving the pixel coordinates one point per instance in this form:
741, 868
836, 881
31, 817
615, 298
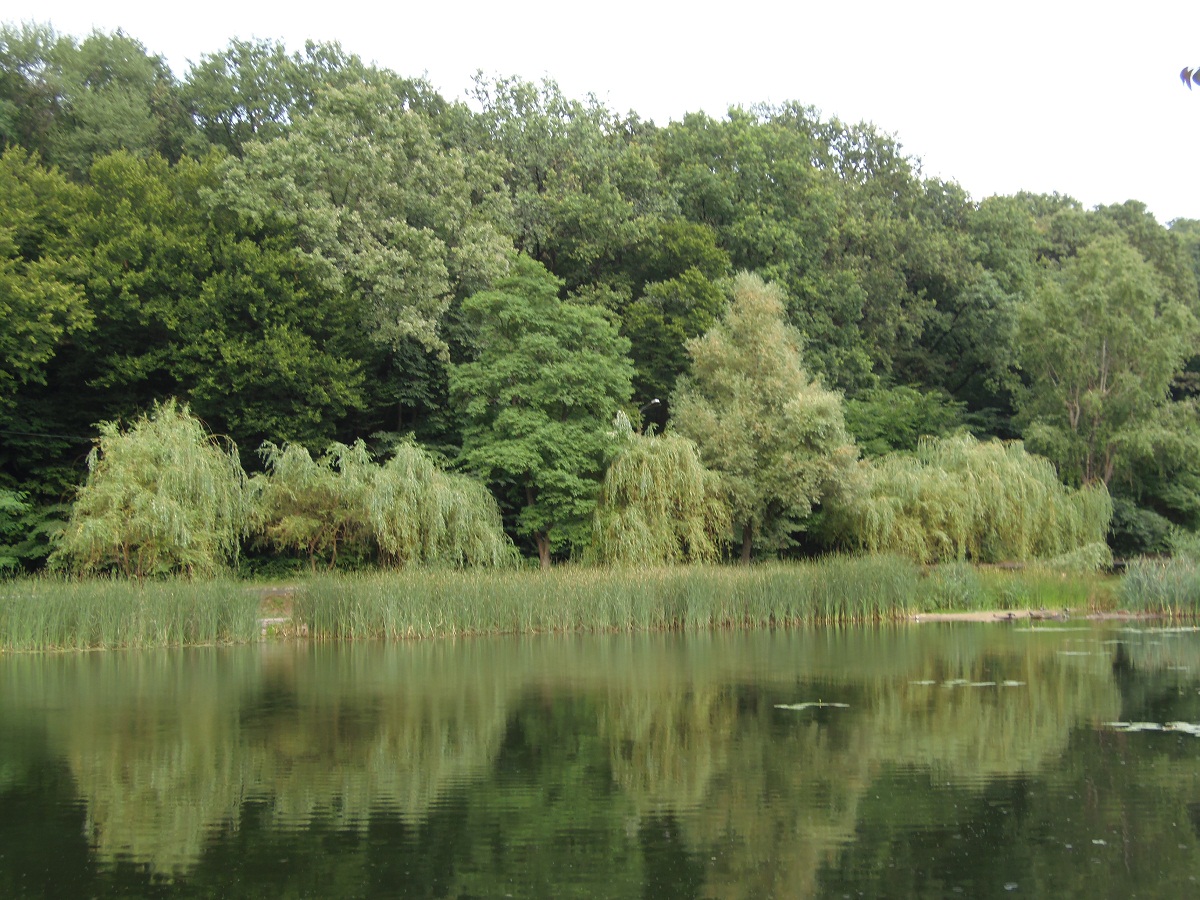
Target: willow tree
957, 498
774, 435
315, 505
405, 511
421, 514
658, 504
162, 496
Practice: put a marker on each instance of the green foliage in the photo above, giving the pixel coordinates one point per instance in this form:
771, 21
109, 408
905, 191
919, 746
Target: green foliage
883, 420
1138, 531
585, 191
12, 509
162, 496
420, 514
774, 436
39, 308
395, 222
661, 322
254, 90
957, 499
1100, 345
658, 504
75, 102
407, 511
537, 402
314, 506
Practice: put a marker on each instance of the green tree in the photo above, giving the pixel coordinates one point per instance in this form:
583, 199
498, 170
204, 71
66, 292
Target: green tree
775, 437
39, 309
162, 496
254, 90
196, 300
406, 511
537, 402
1101, 343
74, 102
886, 419
959, 498
658, 503
584, 186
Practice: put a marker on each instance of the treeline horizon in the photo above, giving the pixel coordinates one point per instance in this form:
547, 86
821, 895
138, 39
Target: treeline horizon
310, 251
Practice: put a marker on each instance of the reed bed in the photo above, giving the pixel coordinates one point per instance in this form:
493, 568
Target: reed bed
1162, 587
430, 603
962, 587
422, 602
60, 614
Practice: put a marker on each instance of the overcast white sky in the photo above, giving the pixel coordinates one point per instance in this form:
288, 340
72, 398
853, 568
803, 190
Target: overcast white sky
1078, 98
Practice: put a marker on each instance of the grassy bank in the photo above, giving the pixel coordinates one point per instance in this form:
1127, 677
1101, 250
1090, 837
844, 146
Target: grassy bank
47, 614
55, 614
428, 604
1162, 587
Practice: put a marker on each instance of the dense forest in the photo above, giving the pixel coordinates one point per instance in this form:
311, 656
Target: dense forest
530, 321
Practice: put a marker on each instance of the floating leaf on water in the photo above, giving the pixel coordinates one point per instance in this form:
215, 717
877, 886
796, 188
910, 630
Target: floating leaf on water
812, 704
1134, 726
1182, 727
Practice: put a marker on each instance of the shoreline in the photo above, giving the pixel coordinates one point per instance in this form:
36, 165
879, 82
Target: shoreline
1030, 615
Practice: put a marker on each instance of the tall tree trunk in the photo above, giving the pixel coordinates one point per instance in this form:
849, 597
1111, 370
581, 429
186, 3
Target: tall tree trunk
543, 548
747, 542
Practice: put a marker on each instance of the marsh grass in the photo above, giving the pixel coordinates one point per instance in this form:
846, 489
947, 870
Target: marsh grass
50, 614
58, 614
1162, 587
1045, 586
430, 603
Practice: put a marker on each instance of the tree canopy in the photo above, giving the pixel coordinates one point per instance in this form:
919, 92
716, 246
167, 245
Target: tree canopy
537, 400
314, 251
773, 434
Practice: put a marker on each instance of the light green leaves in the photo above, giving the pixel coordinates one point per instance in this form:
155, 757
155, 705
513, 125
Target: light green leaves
776, 437
162, 496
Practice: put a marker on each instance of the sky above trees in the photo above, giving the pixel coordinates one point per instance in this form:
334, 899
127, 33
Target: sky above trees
1045, 97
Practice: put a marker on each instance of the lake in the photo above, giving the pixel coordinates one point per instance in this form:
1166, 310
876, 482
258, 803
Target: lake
910, 761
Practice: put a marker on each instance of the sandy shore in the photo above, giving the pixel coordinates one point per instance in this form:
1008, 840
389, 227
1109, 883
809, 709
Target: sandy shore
1023, 615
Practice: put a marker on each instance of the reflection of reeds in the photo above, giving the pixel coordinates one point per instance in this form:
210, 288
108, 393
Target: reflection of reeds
427, 603
49, 614
166, 748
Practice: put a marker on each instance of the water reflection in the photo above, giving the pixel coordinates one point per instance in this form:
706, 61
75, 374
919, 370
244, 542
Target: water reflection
612, 766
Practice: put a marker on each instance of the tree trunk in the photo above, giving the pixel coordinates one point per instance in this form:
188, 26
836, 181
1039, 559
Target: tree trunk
543, 548
747, 542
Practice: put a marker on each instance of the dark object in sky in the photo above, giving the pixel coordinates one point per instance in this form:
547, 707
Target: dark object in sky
654, 417
1187, 76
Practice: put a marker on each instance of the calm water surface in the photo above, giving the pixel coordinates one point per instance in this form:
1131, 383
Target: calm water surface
924, 761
